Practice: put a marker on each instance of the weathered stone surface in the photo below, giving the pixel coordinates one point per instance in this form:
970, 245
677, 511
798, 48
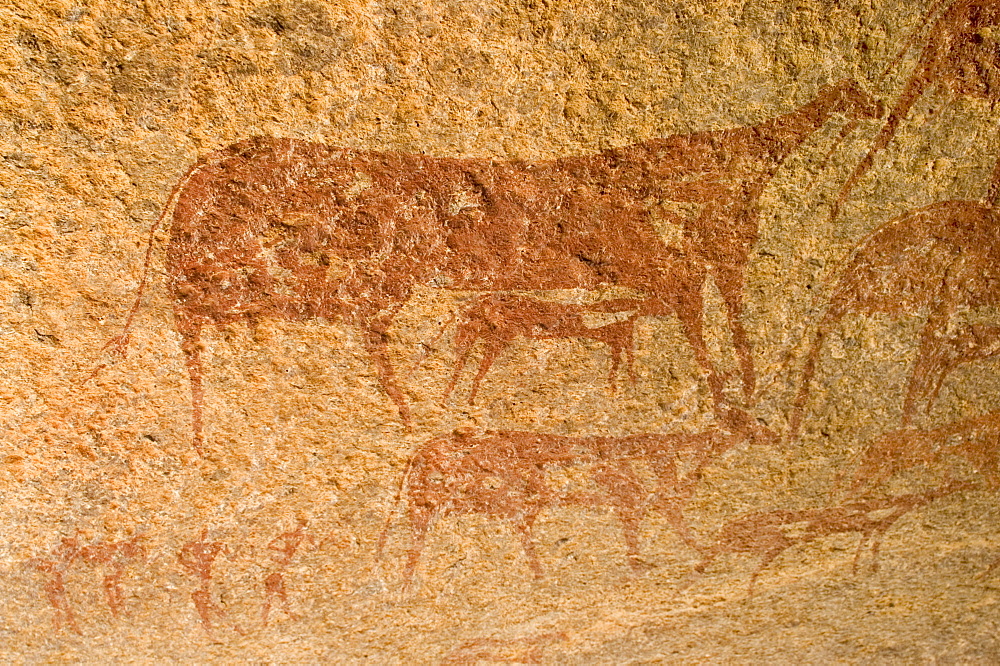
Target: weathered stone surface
499, 332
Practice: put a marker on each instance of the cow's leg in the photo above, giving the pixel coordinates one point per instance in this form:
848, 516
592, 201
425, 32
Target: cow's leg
689, 309
674, 510
627, 494
419, 522
630, 352
879, 534
376, 339
616, 361
462, 357
929, 350
191, 346
730, 284
489, 356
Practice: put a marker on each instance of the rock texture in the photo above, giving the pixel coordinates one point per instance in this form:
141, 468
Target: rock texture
517, 332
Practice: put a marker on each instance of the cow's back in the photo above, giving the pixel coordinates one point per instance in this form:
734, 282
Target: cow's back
291, 229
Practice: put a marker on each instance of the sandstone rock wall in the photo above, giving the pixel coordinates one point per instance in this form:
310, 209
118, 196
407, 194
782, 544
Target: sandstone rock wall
530, 331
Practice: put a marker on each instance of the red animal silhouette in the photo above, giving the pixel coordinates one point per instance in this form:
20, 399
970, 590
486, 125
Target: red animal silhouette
959, 55
198, 557
503, 474
976, 440
767, 534
936, 261
499, 319
285, 546
280, 228
114, 557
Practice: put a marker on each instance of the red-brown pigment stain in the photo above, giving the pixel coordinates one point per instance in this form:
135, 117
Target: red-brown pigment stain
113, 557
958, 55
280, 228
934, 261
54, 569
767, 534
506, 475
499, 319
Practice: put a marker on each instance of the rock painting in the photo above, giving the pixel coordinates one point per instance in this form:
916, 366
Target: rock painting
499, 319
584, 246
197, 557
280, 228
284, 547
113, 559
972, 442
934, 261
959, 55
767, 534
508, 475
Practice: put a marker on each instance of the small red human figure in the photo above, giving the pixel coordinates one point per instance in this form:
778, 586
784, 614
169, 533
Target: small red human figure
285, 546
198, 557
114, 556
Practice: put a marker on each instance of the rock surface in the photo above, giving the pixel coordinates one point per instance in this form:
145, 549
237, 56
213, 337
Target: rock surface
528, 331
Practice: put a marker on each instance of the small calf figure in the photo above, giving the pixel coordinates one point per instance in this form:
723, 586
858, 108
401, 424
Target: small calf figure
499, 319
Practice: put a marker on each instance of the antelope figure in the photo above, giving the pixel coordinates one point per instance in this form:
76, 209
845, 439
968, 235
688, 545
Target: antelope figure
504, 475
969, 343
767, 534
960, 56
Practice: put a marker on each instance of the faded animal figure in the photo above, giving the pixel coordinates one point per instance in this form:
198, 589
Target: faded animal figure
976, 440
499, 319
933, 261
500, 475
55, 592
506, 475
281, 228
767, 534
198, 557
960, 54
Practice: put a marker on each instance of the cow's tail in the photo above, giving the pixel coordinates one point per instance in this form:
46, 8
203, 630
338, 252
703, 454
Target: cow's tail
119, 344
